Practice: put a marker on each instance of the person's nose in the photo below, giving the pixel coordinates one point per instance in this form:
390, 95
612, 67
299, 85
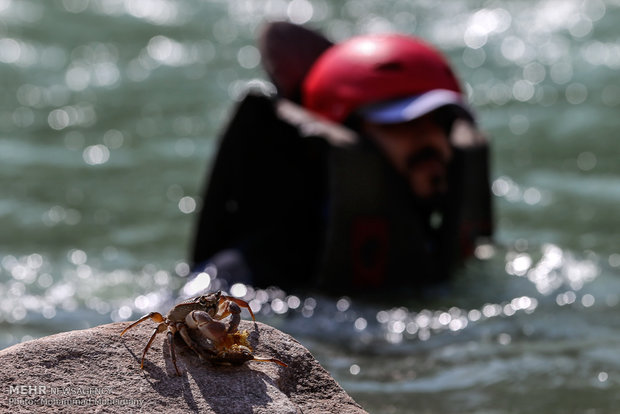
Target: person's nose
434, 135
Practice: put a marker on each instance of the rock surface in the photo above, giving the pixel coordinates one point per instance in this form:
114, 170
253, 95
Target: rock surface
95, 370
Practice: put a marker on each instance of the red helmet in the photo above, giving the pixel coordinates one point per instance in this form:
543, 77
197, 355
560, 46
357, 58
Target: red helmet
371, 69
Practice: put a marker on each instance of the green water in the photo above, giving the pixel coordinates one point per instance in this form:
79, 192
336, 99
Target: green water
109, 114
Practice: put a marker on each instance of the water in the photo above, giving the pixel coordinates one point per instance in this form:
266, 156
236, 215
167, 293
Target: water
109, 114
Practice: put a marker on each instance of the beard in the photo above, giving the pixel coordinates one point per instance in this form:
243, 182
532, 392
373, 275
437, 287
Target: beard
425, 154
427, 173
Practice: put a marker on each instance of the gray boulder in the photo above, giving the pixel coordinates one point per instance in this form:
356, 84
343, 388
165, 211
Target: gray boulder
95, 370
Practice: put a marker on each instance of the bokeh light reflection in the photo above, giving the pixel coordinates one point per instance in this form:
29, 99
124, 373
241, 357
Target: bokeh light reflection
199, 284
160, 12
300, 11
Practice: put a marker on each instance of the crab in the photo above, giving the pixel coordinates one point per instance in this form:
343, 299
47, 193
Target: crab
199, 322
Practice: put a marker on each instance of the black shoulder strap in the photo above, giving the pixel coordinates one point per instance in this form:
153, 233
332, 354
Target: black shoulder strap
263, 193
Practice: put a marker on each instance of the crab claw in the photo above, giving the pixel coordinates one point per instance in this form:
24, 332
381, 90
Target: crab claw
239, 302
212, 329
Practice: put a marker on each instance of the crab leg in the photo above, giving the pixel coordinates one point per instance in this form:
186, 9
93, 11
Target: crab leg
277, 361
154, 316
173, 354
160, 328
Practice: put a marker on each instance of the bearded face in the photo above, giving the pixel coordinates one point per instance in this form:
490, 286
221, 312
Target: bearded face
419, 150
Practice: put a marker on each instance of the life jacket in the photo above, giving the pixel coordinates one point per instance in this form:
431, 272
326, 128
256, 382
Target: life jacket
310, 203
379, 236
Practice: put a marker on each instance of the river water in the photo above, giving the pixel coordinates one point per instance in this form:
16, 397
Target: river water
109, 113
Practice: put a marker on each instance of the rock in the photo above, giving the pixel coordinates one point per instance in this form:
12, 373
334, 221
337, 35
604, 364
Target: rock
96, 370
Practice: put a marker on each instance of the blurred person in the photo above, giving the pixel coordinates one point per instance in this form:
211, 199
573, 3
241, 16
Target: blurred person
364, 173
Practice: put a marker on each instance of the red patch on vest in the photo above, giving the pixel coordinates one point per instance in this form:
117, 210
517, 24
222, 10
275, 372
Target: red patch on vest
369, 251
